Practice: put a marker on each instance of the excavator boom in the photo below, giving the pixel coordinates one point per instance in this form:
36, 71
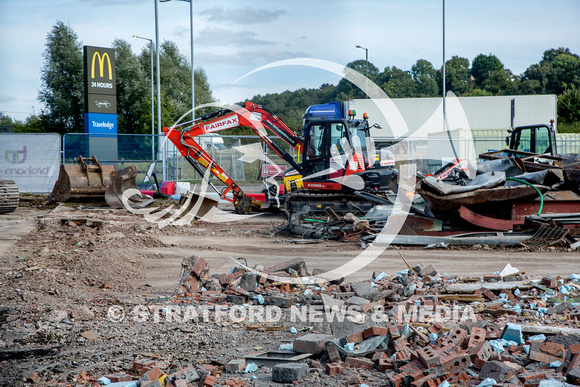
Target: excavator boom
259, 119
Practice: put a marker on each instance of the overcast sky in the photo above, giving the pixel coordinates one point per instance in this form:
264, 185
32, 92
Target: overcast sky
233, 38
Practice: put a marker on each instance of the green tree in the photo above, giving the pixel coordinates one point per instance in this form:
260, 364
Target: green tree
484, 66
347, 90
478, 93
175, 83
133, 92
569, 106
457, 75
62, 82
551, 54
203, 92
398, 83
31, 125
425, 77
501, 82
558, 70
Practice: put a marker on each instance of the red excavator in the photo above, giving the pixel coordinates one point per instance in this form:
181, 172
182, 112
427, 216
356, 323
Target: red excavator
338, 168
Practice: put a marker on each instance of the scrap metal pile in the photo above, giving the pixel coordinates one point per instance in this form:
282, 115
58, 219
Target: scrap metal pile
415, 327
515, 194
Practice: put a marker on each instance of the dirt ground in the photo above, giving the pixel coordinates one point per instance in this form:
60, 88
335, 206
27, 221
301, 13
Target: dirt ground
63, 267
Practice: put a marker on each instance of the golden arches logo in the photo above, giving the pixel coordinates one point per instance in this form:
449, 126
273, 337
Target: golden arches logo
101, 65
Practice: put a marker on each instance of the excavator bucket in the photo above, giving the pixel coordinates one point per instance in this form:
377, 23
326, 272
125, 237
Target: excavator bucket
82, 181
123, 182
205, 209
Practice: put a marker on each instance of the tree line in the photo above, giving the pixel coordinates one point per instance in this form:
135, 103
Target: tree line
61, 94
62, 89
558, 72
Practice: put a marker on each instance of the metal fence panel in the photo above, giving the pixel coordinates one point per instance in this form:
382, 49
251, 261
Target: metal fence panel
227, 151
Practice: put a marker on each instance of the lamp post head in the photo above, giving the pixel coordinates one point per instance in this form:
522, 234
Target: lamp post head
140, 37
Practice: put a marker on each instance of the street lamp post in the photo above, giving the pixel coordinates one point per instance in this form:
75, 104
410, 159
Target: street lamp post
162, 146
192, 66
367, 66
152, 98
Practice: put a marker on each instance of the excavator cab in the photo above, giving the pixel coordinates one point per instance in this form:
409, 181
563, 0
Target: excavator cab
539, 139
334, 150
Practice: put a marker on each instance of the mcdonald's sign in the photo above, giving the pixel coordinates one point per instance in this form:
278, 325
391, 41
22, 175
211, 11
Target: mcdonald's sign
100, 91
99, 65
101, 62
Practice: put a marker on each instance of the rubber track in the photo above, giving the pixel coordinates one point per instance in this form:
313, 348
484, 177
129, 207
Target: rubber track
9, 196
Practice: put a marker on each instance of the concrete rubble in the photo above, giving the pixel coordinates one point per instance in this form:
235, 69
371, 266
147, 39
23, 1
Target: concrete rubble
413, 328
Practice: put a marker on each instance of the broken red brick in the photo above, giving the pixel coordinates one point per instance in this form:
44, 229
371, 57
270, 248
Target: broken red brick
550, 281
236, 365
311, 343
32, 378
385, 364
574, 363
226, 279
457, 337
455, 362
210, 368
526, 377
316, 364
334, 369
333, 353
208, 381
492, 332
480, 354
476, 336
153, 374
457, 377
436, 328
193, 284
356, 379
429, 357
138, 365
379, 355
356, 337
375, 331
360, 362
199, 266
427, 380
546, 352
119, 377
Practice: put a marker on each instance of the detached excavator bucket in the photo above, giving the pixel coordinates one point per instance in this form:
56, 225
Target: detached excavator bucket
82, 180
207, 206
123, 183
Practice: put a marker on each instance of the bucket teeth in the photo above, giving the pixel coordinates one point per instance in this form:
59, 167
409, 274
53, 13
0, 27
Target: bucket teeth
82, 180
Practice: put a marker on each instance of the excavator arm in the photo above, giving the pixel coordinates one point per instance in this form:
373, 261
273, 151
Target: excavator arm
259, 119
